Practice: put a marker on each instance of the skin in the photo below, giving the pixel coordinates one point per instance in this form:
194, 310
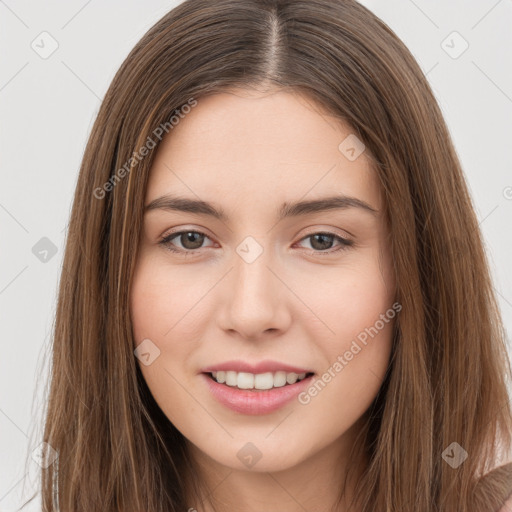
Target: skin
248, 152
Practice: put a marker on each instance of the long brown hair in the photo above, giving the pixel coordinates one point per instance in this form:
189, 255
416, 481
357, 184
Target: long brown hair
447, 379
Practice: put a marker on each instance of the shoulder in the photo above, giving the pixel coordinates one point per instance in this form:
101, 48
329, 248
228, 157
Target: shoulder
507, 507
498, 484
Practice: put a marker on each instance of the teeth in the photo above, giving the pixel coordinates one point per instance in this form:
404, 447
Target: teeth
245, 380
231, 378
269, 380
280, 379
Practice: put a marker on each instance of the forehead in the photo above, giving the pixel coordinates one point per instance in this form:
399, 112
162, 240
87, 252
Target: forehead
246, 149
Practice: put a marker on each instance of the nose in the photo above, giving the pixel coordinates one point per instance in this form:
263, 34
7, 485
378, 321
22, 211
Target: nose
255, 301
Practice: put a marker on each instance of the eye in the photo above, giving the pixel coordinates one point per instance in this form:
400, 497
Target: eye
190, 240
322, 241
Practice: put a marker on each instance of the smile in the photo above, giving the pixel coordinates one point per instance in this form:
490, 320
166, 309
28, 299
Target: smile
251, 400
260, 381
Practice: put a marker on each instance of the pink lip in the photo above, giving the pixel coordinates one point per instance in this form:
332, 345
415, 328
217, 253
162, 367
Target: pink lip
261, 367
255, 402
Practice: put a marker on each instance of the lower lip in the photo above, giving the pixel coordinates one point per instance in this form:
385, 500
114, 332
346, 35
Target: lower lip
255, 402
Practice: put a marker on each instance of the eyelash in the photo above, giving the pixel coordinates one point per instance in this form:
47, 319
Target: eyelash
344, 242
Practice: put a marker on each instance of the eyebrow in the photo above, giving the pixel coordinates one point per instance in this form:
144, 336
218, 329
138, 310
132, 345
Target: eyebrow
300, 208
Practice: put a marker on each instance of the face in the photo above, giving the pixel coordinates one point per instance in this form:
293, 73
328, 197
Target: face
259, 288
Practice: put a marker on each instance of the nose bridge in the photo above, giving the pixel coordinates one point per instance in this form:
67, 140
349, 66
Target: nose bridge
254, 302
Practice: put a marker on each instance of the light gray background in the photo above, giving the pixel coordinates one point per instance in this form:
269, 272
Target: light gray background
47, 107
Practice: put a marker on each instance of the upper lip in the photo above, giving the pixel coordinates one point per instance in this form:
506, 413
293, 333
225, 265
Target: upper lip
256, 368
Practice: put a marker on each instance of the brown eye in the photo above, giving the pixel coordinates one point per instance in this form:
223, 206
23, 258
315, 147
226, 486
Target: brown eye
189, 240
321, 242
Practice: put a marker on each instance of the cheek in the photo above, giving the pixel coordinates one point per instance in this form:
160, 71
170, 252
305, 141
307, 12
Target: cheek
357, 307
155, 310
164, 316
348, 300
356, 361
163, 302
149, 304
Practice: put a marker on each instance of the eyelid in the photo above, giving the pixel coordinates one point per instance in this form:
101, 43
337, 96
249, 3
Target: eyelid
344, 242
186, 229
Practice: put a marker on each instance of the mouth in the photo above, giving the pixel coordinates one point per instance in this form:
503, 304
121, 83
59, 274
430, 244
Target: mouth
257, 382
255, 394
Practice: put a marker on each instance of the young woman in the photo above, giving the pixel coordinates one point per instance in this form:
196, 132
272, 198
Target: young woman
274, 292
